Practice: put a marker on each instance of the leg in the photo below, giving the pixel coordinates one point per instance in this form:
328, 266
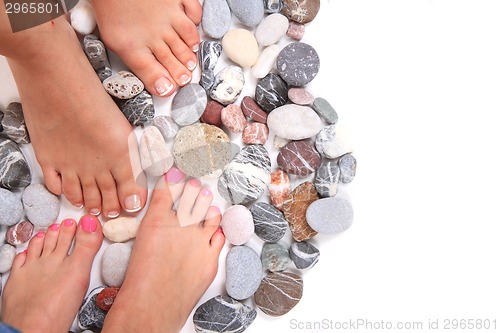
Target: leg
156, 39
79, 135
181, 261
46, 286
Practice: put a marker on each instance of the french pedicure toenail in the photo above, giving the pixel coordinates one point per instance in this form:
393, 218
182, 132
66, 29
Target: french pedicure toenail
113, 214
196, 48
89, 223
40, 234
191, 65
206, 192
54, 227
184, 79
195, 182
163, 86
133, 203
79, 205
68, 222
174, 175
94, 211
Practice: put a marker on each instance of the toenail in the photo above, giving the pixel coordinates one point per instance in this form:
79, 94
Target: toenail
68, 222
163, 86
206, 192
94, 211
219, 230
191, 65
54, 227
40, 234
79, 205
25, 251
174, 175
88, 223
133, 203
196, 48
184, 79
113, 214
194, 182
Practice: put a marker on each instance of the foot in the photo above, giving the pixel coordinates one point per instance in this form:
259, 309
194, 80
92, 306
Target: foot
155, 38
46, 286
181, 261
80, 137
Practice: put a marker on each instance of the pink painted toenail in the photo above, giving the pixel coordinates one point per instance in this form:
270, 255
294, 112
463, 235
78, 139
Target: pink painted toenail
174, 175
40, 234
54, 227
191, 65
25, 251
68, 222
94, 211
206, 192
88, 223
196, 48
113, 214
220, 231
184, 79
133, 203
195, 182
163, 86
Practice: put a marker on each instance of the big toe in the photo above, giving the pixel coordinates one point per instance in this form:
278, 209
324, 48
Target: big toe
88, 241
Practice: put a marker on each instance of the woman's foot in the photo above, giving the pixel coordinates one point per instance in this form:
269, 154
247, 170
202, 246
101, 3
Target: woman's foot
155, 38
46, 286
171, 265
81, 139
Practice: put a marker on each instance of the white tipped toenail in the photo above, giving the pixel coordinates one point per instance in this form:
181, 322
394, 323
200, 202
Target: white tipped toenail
196, 48
184, 79
133, 203
94, 211
79, 205
113, 214
191, 65
163, 86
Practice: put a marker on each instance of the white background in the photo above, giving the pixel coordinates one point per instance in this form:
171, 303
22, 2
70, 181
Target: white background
417, 85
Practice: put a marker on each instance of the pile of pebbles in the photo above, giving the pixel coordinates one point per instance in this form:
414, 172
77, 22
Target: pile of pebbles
197, 139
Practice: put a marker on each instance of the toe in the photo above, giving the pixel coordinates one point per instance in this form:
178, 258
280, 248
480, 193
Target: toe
164, 54
88, 241
50, 240
35, 246
19, 261
52, 180
66, 235
217, 241
110, 204
212, 228
187, 200
132, 194
72, 189
193, 10
201, 205
91, 196
175, 179
188, 32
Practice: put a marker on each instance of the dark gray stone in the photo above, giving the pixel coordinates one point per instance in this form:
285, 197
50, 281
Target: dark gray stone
304, 255
270, 224
14, 125
96, 53
140, 109
90, 315
209, 54
216, 18
223, 314
243, 272
347, 165
188, 104
325, 110
207, 80
14, 170
298, 64
330, 216
273, 6
271, 92
327, 179
275, 257
1, 118
248, 12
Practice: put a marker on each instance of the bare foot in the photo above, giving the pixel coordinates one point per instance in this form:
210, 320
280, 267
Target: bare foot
46, 286
80, 137
155, 38
171, 266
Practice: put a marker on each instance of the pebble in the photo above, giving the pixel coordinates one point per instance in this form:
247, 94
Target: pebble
271, 92
248, 12
296, 30
295, 207
280, 142
7, 254
273, 6
121, 229
188, 104
106, 298
90, 315
266, 61
223, 314
247, 176
212, 113
155, 156
200, 150
20, 233
252, 110
167, 126
123, 85
241, 47
228, 85
327, 179
41, 206
243, 272
237, 224
294, 122
275, 257
233, 118
304, 255
14, 125
208, 54
215, 18
298, 64
255, 134
347, 165
207, 80
300, 96
325, 110
114, 264
299, 158
329, 144
1, 118
279, 188
14, 170
270, 225
330, 216
139, 110
279, 293
271, 29
11, 208
96, 53
301, 11
83, 18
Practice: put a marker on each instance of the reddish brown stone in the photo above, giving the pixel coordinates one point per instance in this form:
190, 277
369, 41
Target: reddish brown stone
233, 118
301, 11
252, 110
20, 233
278, 293
295, 207
299, 158
106, 298
279, 188
296, 30
255, 134
212, 114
